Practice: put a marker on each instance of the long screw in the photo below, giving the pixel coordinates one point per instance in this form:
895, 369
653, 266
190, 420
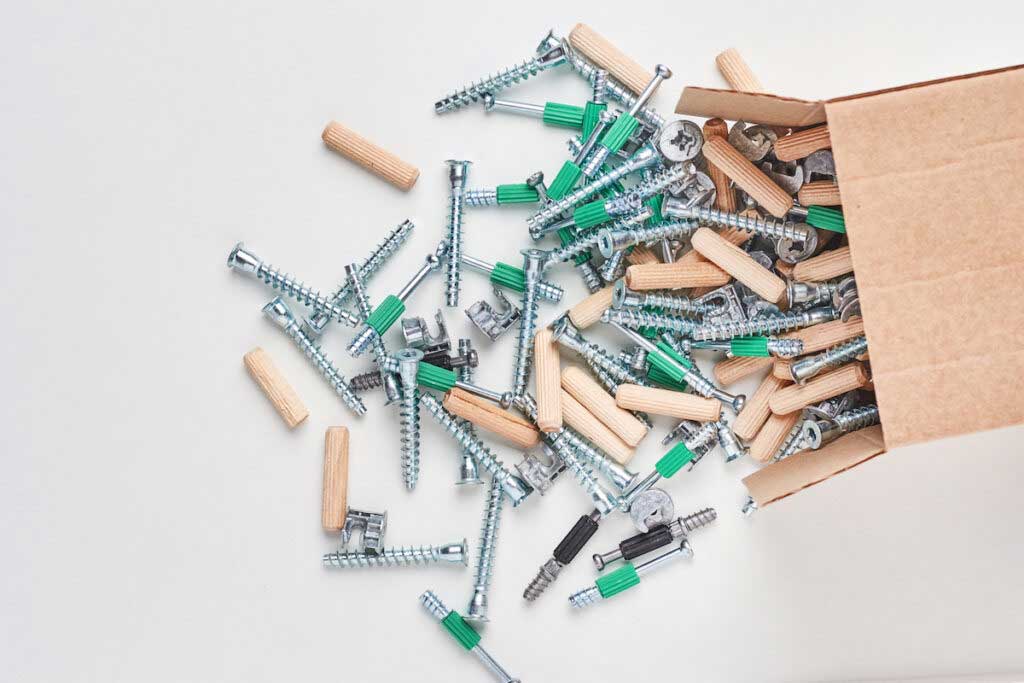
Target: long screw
380, 354
485, 560
766, 227
635, 318
533, 266
451, 553
464, 634
614, 89
658, 537
512, 278
457, 172
806, 368
587, 240
468, 471
754, 346
620, 476
611, 240
625, 577
727, 329
409, 414
278, 311
623, 297
568, 335
820, 432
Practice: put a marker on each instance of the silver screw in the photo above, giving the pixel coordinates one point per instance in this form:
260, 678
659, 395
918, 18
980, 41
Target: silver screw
545, 290
634, 318
767, 227
793, 443
589, 596
409, 413
485, 560
624, 297
439, 611
278, 311
380, 354
727, 329
809, 293
621, 477
468, 472
802, 370
610, 240
614, 89
457, 172
582, 244
533, 266
451, 553
728, 441
677, 528
777, 347
568, 335
614, 267
818, 432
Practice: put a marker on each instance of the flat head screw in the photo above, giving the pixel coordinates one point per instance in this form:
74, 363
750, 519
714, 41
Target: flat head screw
409, 413
380, 354
533, 267
457, 172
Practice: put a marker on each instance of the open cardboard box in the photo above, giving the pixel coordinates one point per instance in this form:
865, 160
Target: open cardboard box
932, 181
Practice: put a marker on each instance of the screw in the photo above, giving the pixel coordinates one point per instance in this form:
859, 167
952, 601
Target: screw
624, 297
278, 311
551, 113
533, 266
380, 354
409, 414
515, 488
485, 561
767, 227
672, 461
552, 56
463, 633
809, 293
512, 278
610, 241
621, 477
802, 370
575, 246
635, 318
567, 549
568, 335
457, 172
658, 537
625, 577
613, 88
615, 266
821, 431
728, 441
754, 346
468, 472
452, 553
243, 260
749, 507
726, 329
793, 443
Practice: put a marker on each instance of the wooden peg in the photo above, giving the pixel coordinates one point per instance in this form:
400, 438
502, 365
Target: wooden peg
666, 402
281, 394
781, 369
750, 178
725, 196
739, 264
374, 159
824, 335
825, 266
602, 405
775, 430
784, 269
676, 275
587, 312
819, 193
732, 370
605, 55
737, 72
756, 411
490, 417
584, 422
641, 254
546, 366
802, 143
335, 492
799, 396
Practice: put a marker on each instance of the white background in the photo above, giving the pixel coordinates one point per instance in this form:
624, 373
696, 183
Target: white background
158, 522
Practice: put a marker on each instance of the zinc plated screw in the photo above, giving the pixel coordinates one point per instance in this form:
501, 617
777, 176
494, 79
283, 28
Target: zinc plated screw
477, 610
533, 266
501, 195
766, 227
392, 307
660, 536
754, 346
457, 171
409, 414
634, 318
468, 471
451, 553
809, 293
793, 443
672, 461
245, 261
802, 370
818, 432
611, 240
620, 476
464, 634
512, 278
614, 266
727, 329
553, 55
728, 441
624, 297
515, 488
625, 577
551, 113
568, 335
380, 354
278, 311
613, 89
572, 247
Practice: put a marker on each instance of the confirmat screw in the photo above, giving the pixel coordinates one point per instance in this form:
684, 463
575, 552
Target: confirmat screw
635, 318
533, 266
278, 311
463, 633
610, 240
623, 297
452, 553
457, 172
806, 368
485, 560
625, 577
766, 325
380, 354
582, 244
409, 413
767, 227
820, 431
568, 335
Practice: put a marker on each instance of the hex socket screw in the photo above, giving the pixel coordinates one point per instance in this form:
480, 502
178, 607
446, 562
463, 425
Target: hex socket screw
457, 172
768, 325
624, 297
392, 307
409, 415
816, 433
468, 471
551, 113
754, 347
610, 241
533, 266
510, 277
670, 463
381, 253
806, 368
553, 55
450, 553
477, 610
658, 537
243, 260
613, 88
380, 354
625, 577
515, 488
464, 634
278, 311
766, 227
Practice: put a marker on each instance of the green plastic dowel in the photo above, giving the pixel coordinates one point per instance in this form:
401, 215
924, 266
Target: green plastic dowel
460, 630
826, 218
564, 115
434, 377
564, 181
750, 347
619, 580
508, 276
591, 113
385, 315
589, 215
671, 462
619, 132
520, 193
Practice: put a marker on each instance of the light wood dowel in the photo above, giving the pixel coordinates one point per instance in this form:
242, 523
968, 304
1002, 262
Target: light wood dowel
677, 275
737, 72
373, 158
732, 370
820, 193
605, 55
838, 381
276, 388
781, 368
547, 375
801, 144
825, 266
739, 264
725, 196
584, 422
775, 430
750, 178
641, 254
756, 411
335, 491
602, 405
587, 312
491, 418
665, 402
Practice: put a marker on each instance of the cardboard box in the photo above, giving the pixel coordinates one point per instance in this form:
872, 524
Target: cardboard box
932, 181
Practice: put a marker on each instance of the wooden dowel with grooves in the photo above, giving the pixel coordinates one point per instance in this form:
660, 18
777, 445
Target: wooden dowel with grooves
641, 254
334, 505
838, 381
547, 375
732, 370
737, 72
781, 369
819, 193
603, 406
584, 422
756, 411
587, 312
750, 178
826, 266
490, 417
775, 430
666, 402
605, 55
370, 156
725, 196
739, 264
677, 275
275, 387
802, 143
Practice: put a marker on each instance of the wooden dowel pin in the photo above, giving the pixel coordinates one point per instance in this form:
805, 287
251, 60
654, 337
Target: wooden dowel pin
547, 375
676, 276
666, 402
739, 264
737, 72
839, 381
587, 312
733, 370
725, 196
276, 388
827, 266
605, 55
802, 143
603, 406
756, 411
335, 491
750, 178
775, 430
490, 417
819, 193
373, 158
584, 422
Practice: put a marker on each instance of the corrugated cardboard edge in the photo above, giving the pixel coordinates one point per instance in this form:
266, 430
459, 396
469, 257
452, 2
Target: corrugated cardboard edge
797, 472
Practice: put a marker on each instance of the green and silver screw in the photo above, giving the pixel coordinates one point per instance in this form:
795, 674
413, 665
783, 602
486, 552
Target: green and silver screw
625, 577
821, 217
462, 632
510, 277
754, 347
551, 113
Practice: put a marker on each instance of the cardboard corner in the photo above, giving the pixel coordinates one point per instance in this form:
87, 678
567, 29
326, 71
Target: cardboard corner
773, 110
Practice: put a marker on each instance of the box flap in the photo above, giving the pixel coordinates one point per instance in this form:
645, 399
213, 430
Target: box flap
799, 471
773, 110
933, 181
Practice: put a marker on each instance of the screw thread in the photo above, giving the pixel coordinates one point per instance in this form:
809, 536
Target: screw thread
326, 368
857, 418
785, 348
698, 519
613, 267
409, 431
474, 91
434, 605
487, 197
727, 329
613, 88
794, 442
366, 381
631, 317
842, 353
380, 353
591, 238
767, 227
381, 253
489, 537
453, 265
621, 238
599, 359
660, 180
591, 280
391, 557
291, 287
681, 304
547, 573
582, 598
524, 343
363, 339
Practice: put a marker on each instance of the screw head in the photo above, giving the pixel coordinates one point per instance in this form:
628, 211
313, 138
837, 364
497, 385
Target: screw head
278, 311
241, 259
662, 71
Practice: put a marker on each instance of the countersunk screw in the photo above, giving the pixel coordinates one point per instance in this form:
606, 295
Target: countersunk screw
409, 412
624, 297
485, 560
457, 172
611, 240
468, 471
635, 318
533, 266
806, 368
766, 227
727, 329
820, 431
463, 633
380, 354
571, 249
451, 553
278, 311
